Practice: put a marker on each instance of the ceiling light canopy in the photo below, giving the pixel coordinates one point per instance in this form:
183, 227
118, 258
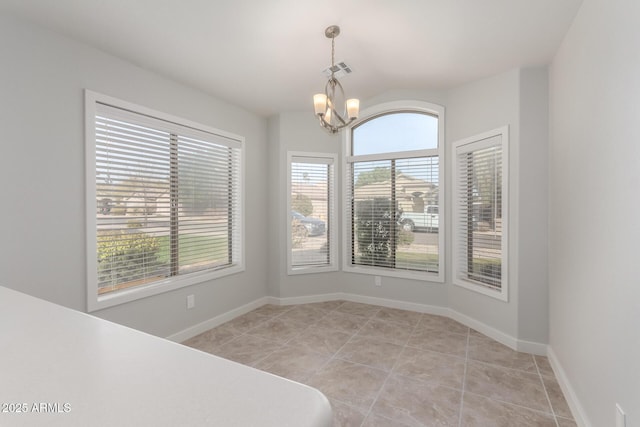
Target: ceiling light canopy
326, 104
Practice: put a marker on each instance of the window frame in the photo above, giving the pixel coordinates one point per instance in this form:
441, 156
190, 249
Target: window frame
94, 300
332, 234
404, 106
480, 141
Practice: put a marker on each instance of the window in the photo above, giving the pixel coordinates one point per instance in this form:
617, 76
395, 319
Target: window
311, 208
394, 192
164, 202
480, 205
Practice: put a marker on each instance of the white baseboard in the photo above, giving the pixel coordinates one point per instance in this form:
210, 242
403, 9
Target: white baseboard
509, 341
308, 299
512, 342
537, 348
577, 411
402, 305
217, 321
485, 329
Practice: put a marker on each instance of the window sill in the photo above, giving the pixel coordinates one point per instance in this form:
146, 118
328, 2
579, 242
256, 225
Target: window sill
112, 299
499, 294
311, 270
400, 274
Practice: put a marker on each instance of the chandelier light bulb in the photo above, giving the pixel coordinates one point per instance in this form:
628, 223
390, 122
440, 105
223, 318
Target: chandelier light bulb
327, 116
319, 103
353, 107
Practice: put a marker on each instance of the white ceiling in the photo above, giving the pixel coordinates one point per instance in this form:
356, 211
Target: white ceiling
268, 55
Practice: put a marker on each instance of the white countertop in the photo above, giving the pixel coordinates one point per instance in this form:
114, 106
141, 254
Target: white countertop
67, 368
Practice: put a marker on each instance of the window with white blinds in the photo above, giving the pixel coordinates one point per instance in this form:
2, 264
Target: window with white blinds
311, 210
166, 202
480, 203
394, 183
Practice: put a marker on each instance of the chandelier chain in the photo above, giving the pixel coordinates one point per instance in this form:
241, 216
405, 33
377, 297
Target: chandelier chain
333, 51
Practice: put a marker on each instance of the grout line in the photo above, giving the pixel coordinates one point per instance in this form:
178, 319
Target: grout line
506, 402
464, 377
405, 346
384, 384
333, 356
281, 345
502, 367
539, 377
544, 387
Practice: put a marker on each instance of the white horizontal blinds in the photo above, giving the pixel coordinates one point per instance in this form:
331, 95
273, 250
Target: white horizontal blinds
373, 214
479, 210
208, 200
417, 193
312, 210
132, 189
380, 192
166, 201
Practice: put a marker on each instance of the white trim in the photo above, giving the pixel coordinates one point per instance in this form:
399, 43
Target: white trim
98, 302
306, 299
347, 158
394, 155
423, 276
201, 327
480, 141
401, 305
506, 339
99, 98
578, 412
168, 284
90, 99
532, 347
485, 329
319, 158
501, 337
399, 106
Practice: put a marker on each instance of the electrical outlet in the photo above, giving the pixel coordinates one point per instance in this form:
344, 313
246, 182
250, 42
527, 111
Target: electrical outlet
191, 301
378, 281
621, 417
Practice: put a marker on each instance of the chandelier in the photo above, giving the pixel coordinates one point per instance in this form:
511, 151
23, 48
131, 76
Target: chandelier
326, 104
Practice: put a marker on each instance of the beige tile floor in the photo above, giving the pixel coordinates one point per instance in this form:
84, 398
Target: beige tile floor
387, 367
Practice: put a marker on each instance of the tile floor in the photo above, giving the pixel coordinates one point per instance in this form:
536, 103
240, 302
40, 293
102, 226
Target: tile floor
387, 367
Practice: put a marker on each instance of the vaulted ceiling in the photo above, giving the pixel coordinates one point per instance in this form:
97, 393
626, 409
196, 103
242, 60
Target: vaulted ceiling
268, 55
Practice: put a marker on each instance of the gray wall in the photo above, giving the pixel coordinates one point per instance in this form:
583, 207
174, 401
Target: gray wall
594, 230
293, 132
533, 206
42, 249
472, 109
517, 98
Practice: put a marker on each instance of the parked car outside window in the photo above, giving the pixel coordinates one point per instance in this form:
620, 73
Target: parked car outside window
427, 220
313, 226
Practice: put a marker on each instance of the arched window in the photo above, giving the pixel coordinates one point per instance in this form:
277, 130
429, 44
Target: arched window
394, 189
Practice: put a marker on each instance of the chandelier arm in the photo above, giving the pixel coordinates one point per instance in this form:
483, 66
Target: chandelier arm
340, 118
330, 91
334, 128
329, 128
